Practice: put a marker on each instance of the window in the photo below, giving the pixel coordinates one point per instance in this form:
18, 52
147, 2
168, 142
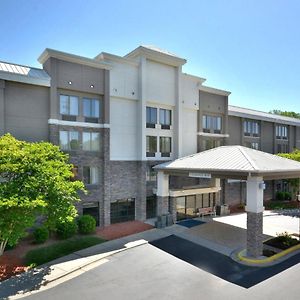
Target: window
91, 110
151, 146
165, 146
165, 118
151, 117
251, 128
122, 210
91, 141
252, 145
211, 124
91, 175
282, 148
281, 132
68, 107
211, 143
69, 140
150, 174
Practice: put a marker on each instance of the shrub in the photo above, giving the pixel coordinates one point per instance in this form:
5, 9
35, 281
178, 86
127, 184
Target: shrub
287, 196
279, 196
86, 224
66, 229
41, 234
286, 239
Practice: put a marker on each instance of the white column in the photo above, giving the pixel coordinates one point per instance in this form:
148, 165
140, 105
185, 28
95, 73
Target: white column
255, 194
254, 209
162, 193
162, 184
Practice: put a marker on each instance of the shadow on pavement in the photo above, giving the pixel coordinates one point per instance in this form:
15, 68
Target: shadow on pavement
23, 283
219, 264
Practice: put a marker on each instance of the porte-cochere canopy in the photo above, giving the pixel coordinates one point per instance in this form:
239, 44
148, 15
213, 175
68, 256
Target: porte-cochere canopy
233, 162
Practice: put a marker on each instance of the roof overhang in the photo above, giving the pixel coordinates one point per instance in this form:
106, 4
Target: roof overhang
50, 53
162, 57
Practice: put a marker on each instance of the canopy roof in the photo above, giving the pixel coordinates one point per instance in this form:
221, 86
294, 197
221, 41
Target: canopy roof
236, 162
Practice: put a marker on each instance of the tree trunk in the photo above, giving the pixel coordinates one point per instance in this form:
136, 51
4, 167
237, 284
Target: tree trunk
2, 246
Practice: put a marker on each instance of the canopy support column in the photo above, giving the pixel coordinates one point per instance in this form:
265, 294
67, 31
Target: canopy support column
162, 193
254, 209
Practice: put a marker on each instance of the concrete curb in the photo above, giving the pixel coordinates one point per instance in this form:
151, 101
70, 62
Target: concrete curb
240, 257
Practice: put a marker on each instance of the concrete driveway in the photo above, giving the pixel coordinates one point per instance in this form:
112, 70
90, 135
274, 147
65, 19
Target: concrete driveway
273, 222
146, 272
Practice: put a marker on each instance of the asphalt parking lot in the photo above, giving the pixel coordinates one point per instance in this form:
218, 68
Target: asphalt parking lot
219, 264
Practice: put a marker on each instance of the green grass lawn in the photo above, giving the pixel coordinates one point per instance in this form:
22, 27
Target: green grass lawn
42, 255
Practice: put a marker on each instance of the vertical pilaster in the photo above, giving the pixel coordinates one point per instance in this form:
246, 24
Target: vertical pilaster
105, 202
254, 209
141, 205
216, 182
141, 111
178, 115
2, 108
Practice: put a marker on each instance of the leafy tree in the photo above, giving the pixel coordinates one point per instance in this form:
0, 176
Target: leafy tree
295, 155
291, 114
34, 180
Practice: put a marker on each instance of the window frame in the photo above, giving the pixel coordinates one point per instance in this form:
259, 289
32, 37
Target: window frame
163, 118
211, 124
162, 143
90, 117
90, 134
90, 176
151, 112
69, 132
148, 145
68, 113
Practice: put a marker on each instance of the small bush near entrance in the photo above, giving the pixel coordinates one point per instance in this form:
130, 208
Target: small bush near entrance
65, 230
40, 256
86, 224
280, 205
280, 196
282, 241
41, 234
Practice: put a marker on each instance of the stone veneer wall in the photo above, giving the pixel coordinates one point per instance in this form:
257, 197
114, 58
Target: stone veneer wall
80, 158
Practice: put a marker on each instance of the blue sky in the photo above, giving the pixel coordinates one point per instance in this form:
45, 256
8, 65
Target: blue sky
251, 48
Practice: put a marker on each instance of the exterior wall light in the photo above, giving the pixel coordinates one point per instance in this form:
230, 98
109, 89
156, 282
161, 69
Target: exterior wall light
92, 86
70, 82
262, 186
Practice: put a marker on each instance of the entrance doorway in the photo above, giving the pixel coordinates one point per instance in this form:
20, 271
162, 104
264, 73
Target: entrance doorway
187, 206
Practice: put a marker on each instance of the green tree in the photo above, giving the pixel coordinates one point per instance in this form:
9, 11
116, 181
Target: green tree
295, 155
34, 180
291, 114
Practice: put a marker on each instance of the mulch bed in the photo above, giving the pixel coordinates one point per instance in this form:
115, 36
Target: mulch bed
119, 230
11, 265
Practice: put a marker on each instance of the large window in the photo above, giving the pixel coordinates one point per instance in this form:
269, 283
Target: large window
282, 148
150, 174
151, 147
91, 141
165, 117
91, 175
91, 110
252, 145
122, 210
165, 146
151, 117
212, 124
68, 107
211, 143
69, 140
281, 132
251, 128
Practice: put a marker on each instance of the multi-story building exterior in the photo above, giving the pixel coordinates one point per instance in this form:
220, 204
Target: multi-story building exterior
119, 116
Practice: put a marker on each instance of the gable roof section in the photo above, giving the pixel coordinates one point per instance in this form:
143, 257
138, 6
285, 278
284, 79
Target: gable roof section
24, 74
235, 160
